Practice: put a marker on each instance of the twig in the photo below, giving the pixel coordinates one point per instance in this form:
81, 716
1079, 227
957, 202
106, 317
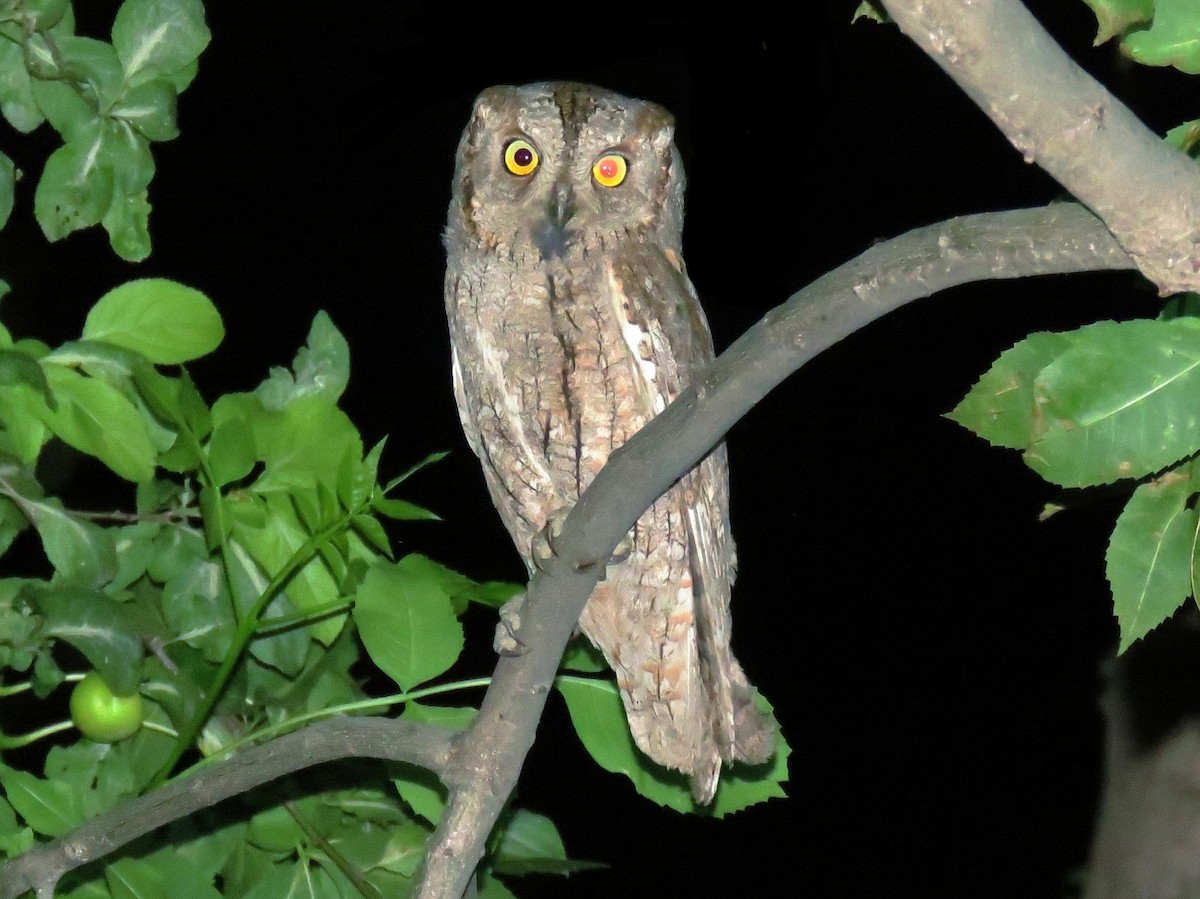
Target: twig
1061, 118
40, 868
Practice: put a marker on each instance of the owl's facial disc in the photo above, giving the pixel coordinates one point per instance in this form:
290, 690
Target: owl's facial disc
551, 234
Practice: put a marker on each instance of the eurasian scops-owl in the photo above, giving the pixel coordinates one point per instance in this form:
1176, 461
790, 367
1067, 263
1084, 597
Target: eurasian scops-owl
573, 323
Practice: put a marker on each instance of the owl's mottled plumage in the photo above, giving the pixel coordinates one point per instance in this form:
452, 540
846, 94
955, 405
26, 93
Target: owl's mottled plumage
573, 323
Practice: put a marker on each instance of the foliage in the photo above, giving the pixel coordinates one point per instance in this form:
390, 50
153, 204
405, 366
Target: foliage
1152, 32
231, 599
108, 102
1115, 401
249, 584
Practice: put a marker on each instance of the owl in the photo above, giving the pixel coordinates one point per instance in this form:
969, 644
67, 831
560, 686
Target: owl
572, 324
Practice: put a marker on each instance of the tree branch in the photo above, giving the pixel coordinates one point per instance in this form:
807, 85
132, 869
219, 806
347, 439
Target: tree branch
40, 868
1058, 116
487, 759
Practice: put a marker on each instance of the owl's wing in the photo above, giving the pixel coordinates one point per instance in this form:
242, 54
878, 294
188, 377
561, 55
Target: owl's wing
719, 720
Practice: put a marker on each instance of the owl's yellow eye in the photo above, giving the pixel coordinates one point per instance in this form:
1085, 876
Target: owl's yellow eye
520, 157
610, 170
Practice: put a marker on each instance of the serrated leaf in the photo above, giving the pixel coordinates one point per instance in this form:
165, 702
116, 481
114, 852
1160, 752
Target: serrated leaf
1120, 403
599, 718
406, 620
1001, 407
154, 37
1171, 40
98, 420
163, 320
1149, 555
51, 808
1115, 17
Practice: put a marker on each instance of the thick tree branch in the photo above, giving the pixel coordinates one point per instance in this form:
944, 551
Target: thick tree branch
487, 759
1060, 117
338, 738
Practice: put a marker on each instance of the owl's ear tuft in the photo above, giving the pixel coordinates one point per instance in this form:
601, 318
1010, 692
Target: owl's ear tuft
486, 104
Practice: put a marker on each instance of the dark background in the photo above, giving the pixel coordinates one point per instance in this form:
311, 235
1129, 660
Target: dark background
933, 652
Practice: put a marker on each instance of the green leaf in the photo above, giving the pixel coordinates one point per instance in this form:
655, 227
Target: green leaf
8, 179
1171, 40
530, 844
127, 222
402, 510
301, 446
16, 93
419, 787
231, 451
51, 808
81, 552
581, 655
321, 368
406, 620
75, 190
872, 12
599, 718
1149, 555
1001, 408
150, 108
1120, 403
154, 37
20, 368
163, 320
272, 546
97, 420
23, 433
1115, 17
99, 628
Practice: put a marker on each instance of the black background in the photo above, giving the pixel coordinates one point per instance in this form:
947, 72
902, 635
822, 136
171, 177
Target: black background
932, 651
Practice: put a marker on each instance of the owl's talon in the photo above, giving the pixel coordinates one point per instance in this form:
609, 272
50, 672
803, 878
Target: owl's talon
621, 551
506, 642
542, 548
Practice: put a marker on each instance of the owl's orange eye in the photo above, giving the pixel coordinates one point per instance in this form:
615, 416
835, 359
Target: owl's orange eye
610, 170
520, 157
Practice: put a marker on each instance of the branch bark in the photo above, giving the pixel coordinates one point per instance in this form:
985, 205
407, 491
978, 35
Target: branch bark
487, 759
1058, 116
40, 868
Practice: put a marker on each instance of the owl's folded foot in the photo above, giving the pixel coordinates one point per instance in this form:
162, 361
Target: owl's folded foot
506, 642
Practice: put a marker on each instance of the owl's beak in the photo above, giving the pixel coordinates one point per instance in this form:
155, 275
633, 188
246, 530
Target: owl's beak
552, 235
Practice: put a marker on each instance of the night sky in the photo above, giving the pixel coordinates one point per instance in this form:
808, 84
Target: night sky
933, 652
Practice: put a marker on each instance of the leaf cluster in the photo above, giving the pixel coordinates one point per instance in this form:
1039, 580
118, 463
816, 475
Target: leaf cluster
108, 101
237, 596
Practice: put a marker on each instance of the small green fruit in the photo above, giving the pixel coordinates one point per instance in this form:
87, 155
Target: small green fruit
101, 714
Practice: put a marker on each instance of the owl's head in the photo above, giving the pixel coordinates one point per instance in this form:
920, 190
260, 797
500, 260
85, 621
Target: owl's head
558, 165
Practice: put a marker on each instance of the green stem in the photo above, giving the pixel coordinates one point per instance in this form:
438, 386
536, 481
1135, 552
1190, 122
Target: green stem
362, 886
16, 742
245, 632
362, 705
